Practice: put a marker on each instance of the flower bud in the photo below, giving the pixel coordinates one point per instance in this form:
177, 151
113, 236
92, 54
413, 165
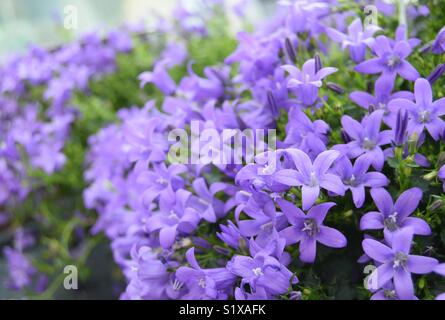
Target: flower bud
318, 64
290, 50
335, 87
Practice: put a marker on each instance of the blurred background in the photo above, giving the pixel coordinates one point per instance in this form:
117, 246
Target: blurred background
27, 22
24, 23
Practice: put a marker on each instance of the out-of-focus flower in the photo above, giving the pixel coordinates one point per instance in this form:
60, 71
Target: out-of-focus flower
438, 46
356, 40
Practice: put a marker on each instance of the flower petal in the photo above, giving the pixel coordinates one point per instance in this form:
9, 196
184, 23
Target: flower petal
418, 225
377, 250
324, 161
288, 177
309, 196
370, 66
292, 212
308, 249
407, 202
423, 92
352, 127
331, 237
404, 285
372, 221
421, 264
333, 183
382, 200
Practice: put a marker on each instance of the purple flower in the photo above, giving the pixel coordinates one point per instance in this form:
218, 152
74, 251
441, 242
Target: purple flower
387, 292
424, 113
160, 78
174, 54
204, 89
356, 178
120, 41
146, 141
308, 229
148, 275
390, 61
209, 207
397, 263
439, 43
440, 269
259, 294
393, 217
367, 138
20, 269
204, 283
257, 57
259, 176
356, 40
311, 176
383, 96
173, 218
303, 134
161, 182
264, 220
230, 235
305, 83
262, 271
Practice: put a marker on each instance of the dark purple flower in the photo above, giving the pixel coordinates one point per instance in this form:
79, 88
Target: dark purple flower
308, 229
356, 177
397, 263
395, 216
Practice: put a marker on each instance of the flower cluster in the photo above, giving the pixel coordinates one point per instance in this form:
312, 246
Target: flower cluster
211, 231
256, 225
33, 134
